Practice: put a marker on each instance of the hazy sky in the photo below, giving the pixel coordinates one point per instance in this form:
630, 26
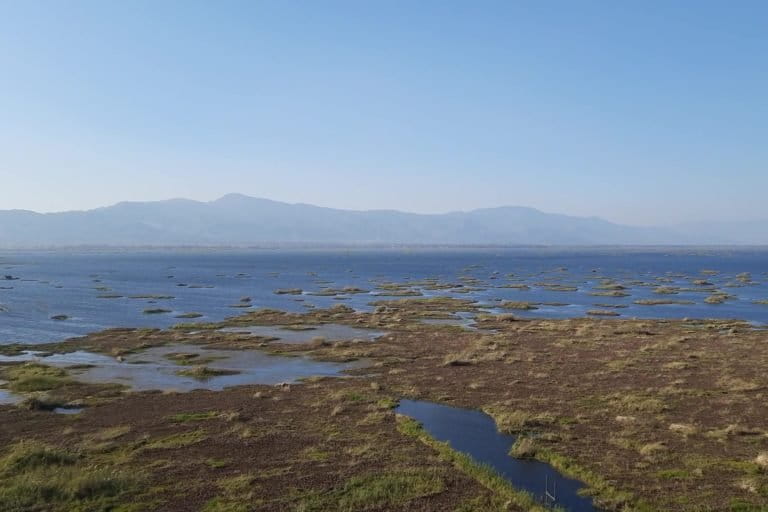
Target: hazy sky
636, 111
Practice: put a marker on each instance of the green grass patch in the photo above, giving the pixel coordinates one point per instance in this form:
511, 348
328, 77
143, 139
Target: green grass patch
674, 474
603, 493
376, 491
197, 326
204, 372
30, 377
178, 440
35, 476
193, 416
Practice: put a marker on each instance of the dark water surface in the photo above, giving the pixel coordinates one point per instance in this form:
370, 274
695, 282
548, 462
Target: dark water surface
474, 433
93, 289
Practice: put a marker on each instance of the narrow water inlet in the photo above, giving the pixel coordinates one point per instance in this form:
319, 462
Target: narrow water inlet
474, 433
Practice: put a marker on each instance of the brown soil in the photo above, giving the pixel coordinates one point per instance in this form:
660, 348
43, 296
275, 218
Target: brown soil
671, 412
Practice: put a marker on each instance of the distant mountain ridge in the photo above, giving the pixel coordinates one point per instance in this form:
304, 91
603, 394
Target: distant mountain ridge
240, 220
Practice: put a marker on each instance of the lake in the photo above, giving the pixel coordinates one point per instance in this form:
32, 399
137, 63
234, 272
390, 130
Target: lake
94, 290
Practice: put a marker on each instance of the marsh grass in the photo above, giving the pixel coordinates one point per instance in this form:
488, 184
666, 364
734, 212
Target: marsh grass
377, 491
524, 448
515, 421
484, 474
189, 315
602, 312
156, 311
204, 372
35, 476
194, 416
660, 302
610, 293
179, 440
511, 304
29, 377
604, 494
237, 494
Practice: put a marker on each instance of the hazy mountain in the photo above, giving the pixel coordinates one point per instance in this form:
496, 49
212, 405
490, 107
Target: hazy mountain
241, 220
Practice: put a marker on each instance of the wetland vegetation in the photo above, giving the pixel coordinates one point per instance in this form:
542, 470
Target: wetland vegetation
300, 408
632, 409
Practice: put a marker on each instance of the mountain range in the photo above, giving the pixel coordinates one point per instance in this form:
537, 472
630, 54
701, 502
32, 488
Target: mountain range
239, 220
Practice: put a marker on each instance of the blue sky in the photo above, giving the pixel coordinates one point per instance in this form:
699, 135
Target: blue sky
636, 111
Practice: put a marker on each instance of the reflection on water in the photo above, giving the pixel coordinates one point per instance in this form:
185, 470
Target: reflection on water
6, 397
152, 370
68, 410
475, 433
331, 332
461, 319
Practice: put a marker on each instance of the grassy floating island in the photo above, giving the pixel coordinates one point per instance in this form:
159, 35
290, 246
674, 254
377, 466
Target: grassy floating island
602, 312
660, 302
190, 358
298, 327
189, 315
204, 372
156, 311
347, 290
398, 293
611, 286
718, 298
610, 293
288, 291
515, 286
511, 304
558, 287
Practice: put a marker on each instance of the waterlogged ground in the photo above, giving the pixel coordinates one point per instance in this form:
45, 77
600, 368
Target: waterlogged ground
307, 333
50, 296
166, 368
644, 414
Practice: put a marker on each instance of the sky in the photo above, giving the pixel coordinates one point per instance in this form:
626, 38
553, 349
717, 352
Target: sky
642, 112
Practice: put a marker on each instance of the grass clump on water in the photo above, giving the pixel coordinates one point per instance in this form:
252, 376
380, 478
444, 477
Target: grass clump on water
204, 372
511, 304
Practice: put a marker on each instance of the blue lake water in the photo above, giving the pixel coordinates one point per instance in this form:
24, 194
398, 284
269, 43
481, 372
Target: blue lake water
79, 284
